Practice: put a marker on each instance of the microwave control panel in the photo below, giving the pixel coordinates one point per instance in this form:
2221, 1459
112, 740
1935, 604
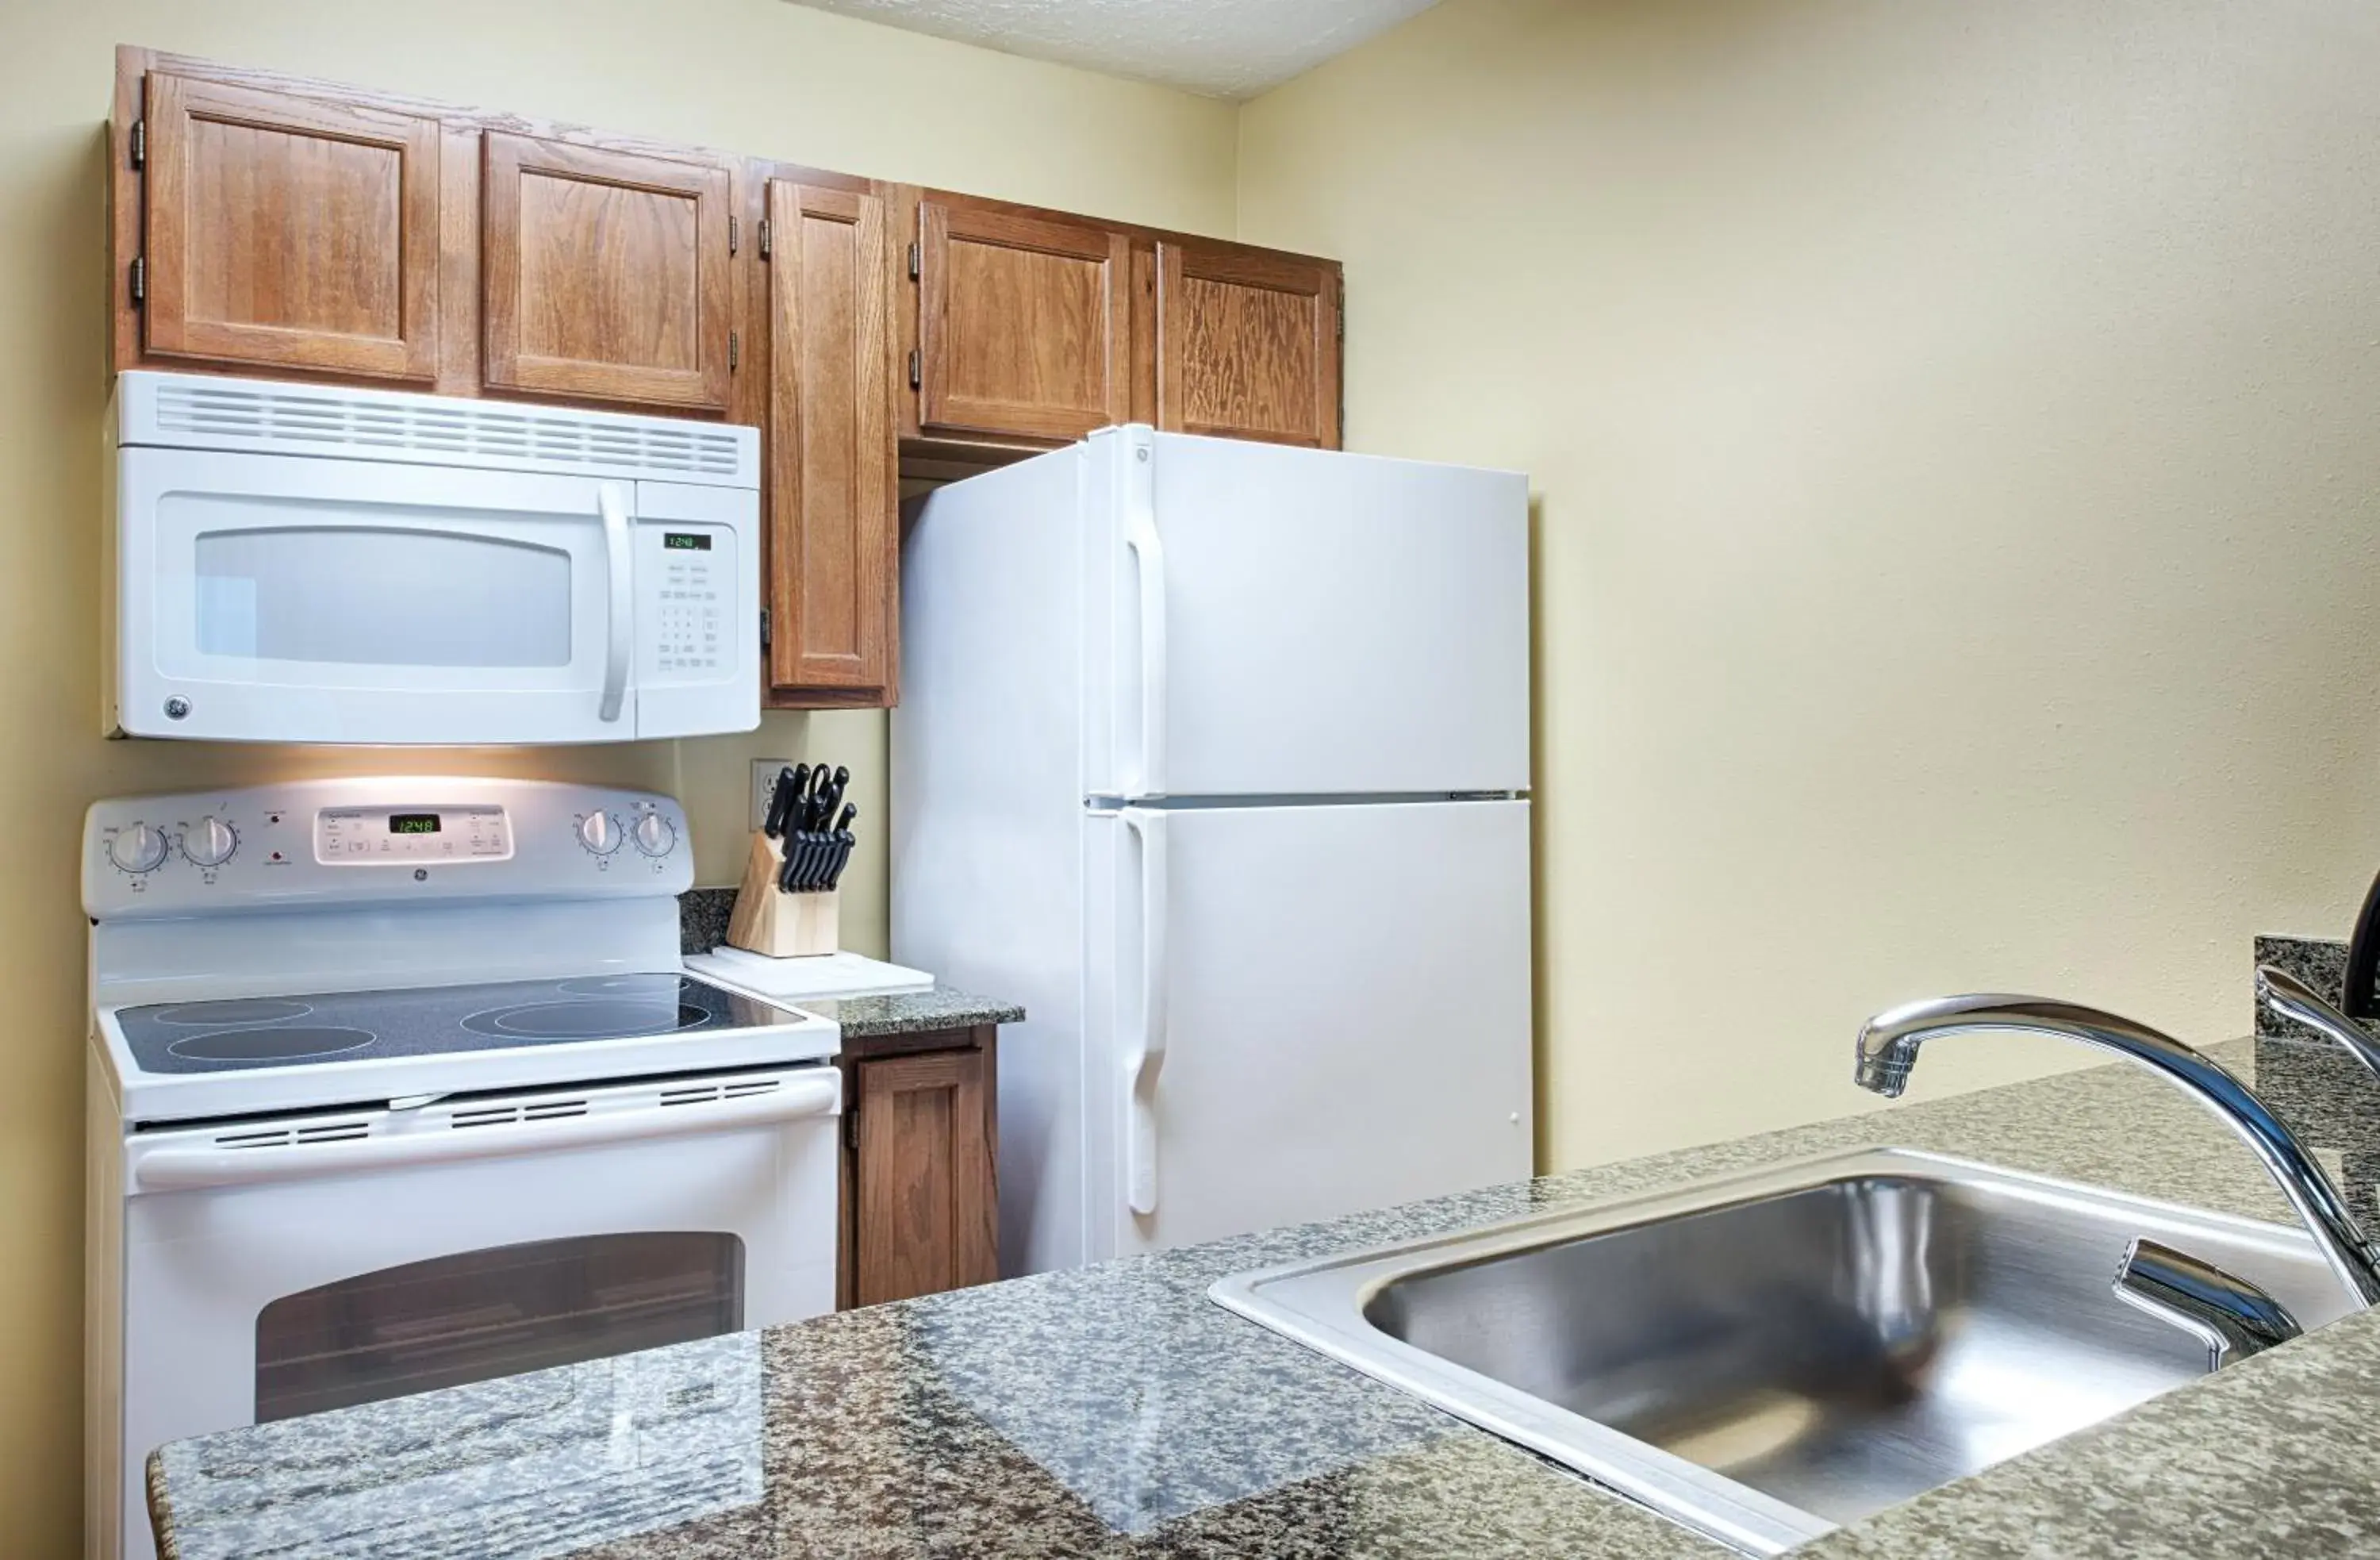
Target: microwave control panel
688, 576
370, 840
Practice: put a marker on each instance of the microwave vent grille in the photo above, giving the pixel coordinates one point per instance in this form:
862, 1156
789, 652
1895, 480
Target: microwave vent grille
449, 430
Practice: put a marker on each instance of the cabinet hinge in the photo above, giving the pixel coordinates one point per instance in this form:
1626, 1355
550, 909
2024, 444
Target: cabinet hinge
735, 345
140, 278
761, 237
139, 143
731, 235
917, 261
764, 627
916, 368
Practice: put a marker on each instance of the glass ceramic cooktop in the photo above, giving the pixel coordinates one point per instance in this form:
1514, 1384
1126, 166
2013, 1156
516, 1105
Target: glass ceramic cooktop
195, 1037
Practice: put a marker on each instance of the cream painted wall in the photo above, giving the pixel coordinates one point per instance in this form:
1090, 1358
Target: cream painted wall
756, 76
1954, 429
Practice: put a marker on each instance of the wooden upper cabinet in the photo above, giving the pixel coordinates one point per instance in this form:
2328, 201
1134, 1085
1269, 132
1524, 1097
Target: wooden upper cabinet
1023, 324
605, 273
833, 532
288, 231
1247, 345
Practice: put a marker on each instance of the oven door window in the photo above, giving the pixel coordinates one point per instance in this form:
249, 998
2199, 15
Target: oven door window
489, 1313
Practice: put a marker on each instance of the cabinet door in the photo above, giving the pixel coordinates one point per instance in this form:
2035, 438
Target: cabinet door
1247, 345
289, 231
833, 535
605, 273
1024, 324
926, 1204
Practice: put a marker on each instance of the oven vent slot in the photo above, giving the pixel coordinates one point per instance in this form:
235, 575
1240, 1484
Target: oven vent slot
500, 1116
331, 422
283, 1137
708, 1093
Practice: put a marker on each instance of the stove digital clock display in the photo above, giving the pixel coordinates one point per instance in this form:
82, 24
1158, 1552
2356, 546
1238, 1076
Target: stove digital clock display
413, 823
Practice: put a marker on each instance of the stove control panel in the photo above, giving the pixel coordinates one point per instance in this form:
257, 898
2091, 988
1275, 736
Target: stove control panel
361, 836
373, 840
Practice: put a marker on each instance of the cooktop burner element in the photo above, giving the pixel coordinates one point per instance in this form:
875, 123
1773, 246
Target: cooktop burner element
342, 1026
587, 1020
262, 1010
296, 1042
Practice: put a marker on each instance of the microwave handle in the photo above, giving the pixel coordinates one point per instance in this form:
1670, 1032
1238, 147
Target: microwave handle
620, 568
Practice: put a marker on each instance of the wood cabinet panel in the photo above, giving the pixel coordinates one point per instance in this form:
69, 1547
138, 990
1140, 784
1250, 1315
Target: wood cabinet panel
1247, 345
925, 1199
285, 231
605, 273
1025, 324
833, 534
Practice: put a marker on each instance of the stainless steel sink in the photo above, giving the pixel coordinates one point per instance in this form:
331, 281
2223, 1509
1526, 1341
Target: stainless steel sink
1765, 1356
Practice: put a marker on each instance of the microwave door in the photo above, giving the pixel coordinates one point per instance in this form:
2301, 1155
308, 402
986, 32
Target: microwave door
289, 598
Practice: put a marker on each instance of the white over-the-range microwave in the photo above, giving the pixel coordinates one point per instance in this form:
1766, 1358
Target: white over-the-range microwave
297, 563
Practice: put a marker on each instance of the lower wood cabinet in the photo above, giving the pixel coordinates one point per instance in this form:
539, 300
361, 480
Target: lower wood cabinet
920, 1188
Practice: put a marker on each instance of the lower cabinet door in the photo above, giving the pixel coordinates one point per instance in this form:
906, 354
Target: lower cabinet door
925, 1203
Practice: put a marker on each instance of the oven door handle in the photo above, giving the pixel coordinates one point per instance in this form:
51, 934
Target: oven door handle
620, 577
181, 1169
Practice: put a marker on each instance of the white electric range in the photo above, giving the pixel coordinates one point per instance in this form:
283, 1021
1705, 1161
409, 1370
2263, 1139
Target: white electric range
396, 1084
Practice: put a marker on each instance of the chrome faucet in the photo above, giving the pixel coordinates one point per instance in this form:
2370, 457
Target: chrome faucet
2292, 998
1888, 1045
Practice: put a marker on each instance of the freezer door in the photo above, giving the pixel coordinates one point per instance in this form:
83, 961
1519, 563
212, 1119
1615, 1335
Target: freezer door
1300, 1012
1268, 621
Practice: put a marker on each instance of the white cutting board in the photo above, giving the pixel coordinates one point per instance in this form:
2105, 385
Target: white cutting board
835, 974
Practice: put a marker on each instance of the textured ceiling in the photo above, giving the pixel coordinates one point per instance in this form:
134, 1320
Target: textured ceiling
1223, 48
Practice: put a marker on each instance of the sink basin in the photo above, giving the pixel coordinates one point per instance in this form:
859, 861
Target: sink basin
1765, 1356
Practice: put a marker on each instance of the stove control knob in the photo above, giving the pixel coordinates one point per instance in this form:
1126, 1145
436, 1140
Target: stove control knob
141, 849
209, 842
598, 832
655, 835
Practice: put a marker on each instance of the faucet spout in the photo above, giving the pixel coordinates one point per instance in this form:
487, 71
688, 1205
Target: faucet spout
2292, 998
1890, 1043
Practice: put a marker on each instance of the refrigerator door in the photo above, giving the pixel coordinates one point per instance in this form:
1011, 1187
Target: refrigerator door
1298, 1012
1265, 621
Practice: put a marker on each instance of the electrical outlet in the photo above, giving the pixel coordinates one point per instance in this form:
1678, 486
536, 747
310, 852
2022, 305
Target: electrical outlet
764, 781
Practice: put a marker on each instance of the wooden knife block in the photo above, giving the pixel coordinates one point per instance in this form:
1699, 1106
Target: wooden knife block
782, 925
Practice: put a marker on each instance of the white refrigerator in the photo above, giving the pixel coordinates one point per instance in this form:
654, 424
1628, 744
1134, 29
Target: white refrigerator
1215, 755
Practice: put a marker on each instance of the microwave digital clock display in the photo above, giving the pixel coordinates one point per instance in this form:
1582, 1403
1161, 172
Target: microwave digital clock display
685, 541
413, 823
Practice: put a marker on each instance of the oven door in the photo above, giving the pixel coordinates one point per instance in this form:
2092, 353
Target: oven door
290, 1266
291, 599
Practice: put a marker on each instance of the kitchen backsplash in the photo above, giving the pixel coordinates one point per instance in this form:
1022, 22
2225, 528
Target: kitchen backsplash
2318, 962
702, 918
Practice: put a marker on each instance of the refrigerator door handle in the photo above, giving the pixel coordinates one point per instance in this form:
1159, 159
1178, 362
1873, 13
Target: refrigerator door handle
1138, 481
1148, 1054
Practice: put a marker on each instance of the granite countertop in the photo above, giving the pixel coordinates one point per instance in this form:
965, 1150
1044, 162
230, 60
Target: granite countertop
1116, 1411
944, 1007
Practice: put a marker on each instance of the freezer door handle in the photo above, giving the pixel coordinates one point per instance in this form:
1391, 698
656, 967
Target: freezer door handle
1146, 1055
185, 1169
1138, 481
